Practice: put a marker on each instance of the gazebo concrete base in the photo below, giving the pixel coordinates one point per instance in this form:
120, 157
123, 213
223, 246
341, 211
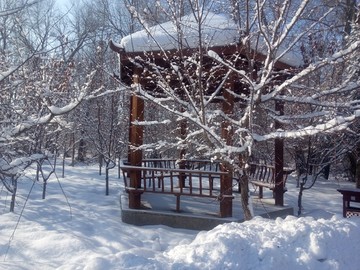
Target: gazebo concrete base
195, 214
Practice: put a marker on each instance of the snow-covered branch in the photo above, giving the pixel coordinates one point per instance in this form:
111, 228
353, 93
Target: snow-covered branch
16, 166
312, 68
334, 125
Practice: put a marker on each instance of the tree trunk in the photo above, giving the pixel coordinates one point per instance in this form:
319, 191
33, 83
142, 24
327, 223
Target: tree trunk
63, 165
13, 196
44, 190
73, 149
81, 150
300, 198
118, 166
107, 180
101, 159
350, 14
244, 186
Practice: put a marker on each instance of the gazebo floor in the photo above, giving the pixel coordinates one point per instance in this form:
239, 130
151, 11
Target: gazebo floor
196, 213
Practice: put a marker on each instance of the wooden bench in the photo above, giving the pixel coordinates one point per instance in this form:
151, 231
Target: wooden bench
188, 164
167, 181
263, 176
350, 196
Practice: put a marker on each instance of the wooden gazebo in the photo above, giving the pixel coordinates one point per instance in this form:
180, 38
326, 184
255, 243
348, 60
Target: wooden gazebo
135, 49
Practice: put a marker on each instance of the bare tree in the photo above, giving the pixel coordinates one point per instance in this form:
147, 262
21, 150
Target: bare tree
39, 88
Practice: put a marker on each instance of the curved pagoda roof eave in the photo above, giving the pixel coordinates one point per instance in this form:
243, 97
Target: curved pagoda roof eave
224, 50
116, 47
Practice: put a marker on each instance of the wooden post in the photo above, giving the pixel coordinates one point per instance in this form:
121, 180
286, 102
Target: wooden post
226, 191
279, 160
135, 140
226, 180
130, 124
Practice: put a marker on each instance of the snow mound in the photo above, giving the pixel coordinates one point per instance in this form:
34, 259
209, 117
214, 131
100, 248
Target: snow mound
290, 243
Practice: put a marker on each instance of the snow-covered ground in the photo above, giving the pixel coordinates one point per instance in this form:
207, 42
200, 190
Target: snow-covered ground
83, 230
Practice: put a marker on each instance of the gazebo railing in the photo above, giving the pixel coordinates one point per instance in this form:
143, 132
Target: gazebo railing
175, 181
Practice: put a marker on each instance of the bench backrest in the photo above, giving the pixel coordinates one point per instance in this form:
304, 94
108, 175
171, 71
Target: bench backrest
262, 172
160, 163
190, 164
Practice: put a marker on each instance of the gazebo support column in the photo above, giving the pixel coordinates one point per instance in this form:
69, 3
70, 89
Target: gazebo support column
279, 160
135, 154
226, 180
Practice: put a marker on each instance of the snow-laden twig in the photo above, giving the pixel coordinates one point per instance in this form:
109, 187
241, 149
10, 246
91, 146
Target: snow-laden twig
338, 56
336, 124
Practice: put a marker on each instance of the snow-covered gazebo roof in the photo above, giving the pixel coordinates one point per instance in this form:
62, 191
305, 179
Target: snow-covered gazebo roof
217, 30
